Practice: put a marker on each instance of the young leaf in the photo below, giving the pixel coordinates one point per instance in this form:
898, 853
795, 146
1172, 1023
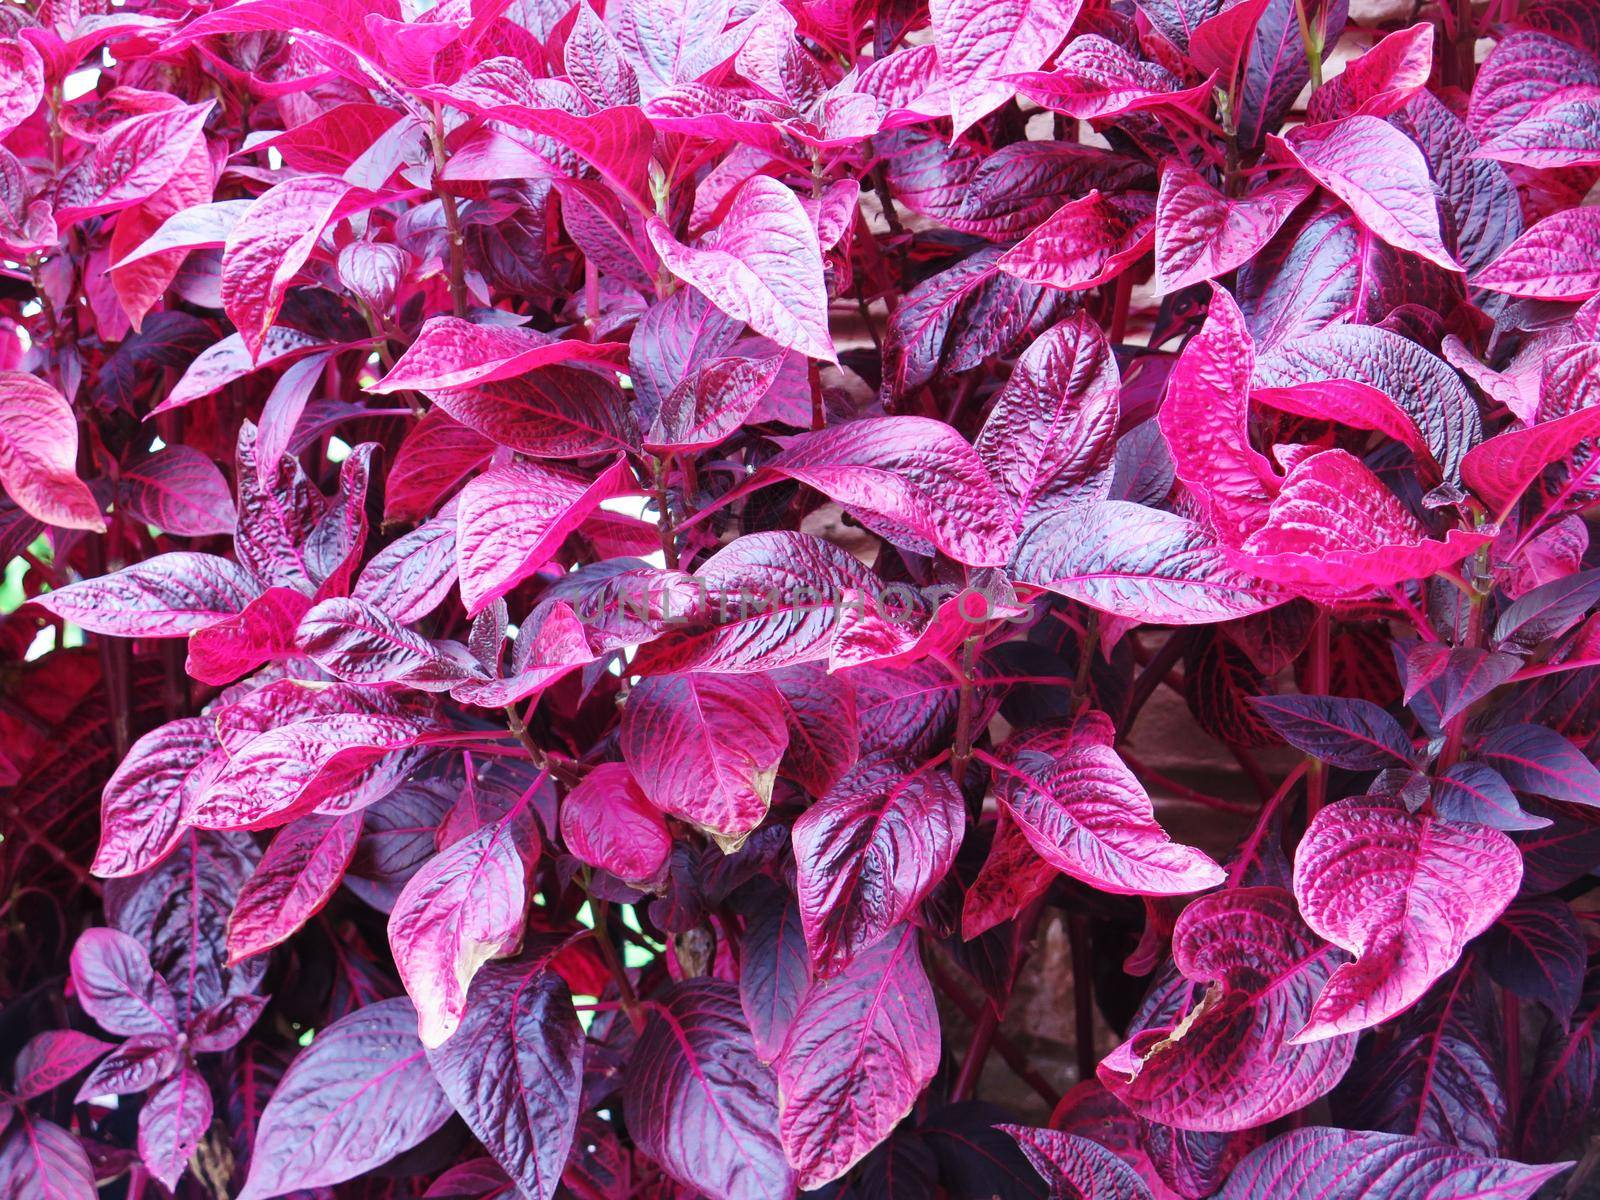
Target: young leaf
142, 805
113, 980
451, 353
171, 1124
1085, 242
607, 822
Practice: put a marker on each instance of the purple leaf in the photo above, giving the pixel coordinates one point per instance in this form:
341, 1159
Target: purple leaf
1472, 792
1050, 436
412, 575
710, 405
169, 595
113, 980
353, 641
1539, 760
1074, 1165
1548, 610
607, 822
1351, 733
460, 910
436, 455
514, 1071
451, 353
1202, 234
871, 1033
223, 1025
511, 520
1085, 242
171, 1124
1538, 951
52, 1058
295, 878
775, 970
41, 1159
1381, 174
137, 1065
1223, 1060
699, 1102
1310, 1163
1086, 814
819, 708
1139, 563
869, 851
1524, 69
178, 490
913, 481
706, 749
39, 455
1566, 1079
1405, 893
359, 1095
763, 267
982, 45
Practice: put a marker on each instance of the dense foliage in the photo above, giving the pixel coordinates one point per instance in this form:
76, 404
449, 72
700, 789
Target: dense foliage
582, 582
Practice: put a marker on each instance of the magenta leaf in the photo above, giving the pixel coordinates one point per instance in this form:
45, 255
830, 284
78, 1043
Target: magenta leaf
360, 1094
39, 453
1404, 893
511, 520
113, 980
223, 1025
915, 482
982, 45
1524, 69
711, 404
1563, 131
1381, 174
137, 1065
607, 822
1205, 421
52, 1058
706, 749
1050, 436
131, 161
872, 1032
700, 1103
172, 1122
1309, 1163
1381, 81
1202, 234
461, 909
514, 1071
1351, 733
435, 457
1138, 563
263, 631
869, 851
1096, 78
451, 353
1541, 264
355, 642
142, 806
22, 72
1223, 1060
1086, 814
178, 490
1012, 875
1539, 760
169, 595
412, 575
267, 247
295, 878
762, 267
1501, 469
1084, 242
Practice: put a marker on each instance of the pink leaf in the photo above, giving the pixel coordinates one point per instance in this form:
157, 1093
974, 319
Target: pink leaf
1381, 174
706, 749
21, 82
462, 909
263, 631
1551, 261
1402, 891
169, 595
1086, 814
1094, 78
1084, 242
1220, 1058
178, 490
1202, 234
869, 851
451, 353
144, 798
269, 245
173, 1120
1381, 81
131, 161
39, 454
763, 266
914, 481
871, 1033
607, 822
52, 1058
294, 879
511, 520
358, 643
982, 44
